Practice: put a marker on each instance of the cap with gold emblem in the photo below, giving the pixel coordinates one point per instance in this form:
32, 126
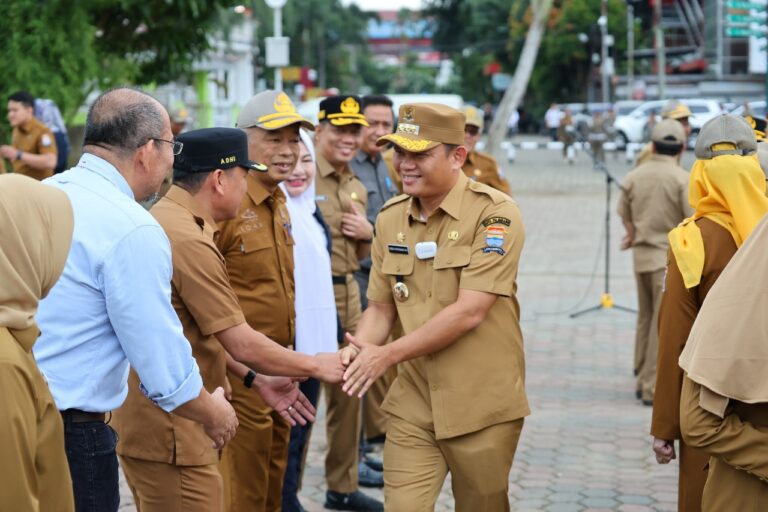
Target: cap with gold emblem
422, 126
341, 110
208, 149
675, 110
271, 110
474, 116
725, 134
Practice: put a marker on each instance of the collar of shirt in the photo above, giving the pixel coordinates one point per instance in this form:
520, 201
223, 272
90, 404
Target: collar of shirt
451, 204
184, 199
363, 157
259, 193
325, 169
106, 170
655, 157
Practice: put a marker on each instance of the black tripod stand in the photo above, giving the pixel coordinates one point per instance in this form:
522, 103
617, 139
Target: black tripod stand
606, 299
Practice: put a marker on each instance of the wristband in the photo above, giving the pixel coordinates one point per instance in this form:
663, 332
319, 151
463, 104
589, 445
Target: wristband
248, 379
19, 154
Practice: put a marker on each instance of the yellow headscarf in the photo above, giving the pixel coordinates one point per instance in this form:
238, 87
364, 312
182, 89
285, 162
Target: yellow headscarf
727, 189
36, 224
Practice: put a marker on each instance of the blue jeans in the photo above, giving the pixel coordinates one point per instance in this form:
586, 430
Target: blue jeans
296, 448
93, 464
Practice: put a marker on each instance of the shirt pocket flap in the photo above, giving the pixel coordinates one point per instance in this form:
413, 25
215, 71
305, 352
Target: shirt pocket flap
452, 257
255, 242
397, 264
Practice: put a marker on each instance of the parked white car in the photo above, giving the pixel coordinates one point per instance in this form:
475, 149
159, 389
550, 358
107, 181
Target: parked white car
756, 107
629, 128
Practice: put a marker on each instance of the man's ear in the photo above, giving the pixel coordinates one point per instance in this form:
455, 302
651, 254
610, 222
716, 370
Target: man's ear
460, 155
217, 181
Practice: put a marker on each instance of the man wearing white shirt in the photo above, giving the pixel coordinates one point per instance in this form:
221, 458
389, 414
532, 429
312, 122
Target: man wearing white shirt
552, 120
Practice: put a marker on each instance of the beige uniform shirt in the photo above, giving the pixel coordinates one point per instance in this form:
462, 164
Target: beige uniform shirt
654, 198
478, 380
33, 465
205, 303
33, 137
334, 193
483, 168
258, 248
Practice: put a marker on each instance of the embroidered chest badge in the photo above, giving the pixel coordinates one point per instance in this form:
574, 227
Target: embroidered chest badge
494, 239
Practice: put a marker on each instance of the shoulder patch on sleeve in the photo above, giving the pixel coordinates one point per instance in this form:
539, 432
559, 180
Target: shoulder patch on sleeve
395, 200
496, 220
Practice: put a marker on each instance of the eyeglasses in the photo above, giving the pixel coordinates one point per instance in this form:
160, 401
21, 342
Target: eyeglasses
177, 146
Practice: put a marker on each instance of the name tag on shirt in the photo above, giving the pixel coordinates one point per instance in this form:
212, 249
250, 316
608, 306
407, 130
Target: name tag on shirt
398, 249
426, 250
321, 198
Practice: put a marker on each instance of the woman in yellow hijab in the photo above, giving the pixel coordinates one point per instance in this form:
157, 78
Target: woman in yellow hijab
727, 191
36, 223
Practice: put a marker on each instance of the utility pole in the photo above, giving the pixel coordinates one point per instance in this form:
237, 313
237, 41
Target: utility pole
603, 22
661, 60
630, 50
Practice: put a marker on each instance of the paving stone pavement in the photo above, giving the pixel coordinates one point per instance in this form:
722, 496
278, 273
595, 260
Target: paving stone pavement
585, 446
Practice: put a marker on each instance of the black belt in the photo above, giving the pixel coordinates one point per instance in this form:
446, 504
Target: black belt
339, 279
78, 416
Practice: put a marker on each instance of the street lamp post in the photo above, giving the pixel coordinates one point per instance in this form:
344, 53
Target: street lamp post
602, 21
277, 46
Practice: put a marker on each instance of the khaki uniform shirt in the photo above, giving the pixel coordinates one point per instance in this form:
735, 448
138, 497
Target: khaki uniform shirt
678, 310
258, 248
33, 137
34, 471
205, 303
654, 197
479, 237
335, 191
483, 168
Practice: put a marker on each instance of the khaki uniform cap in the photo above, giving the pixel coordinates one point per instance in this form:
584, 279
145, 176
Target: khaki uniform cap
474, 117
675, 110
725, 135
668, 131
422, 126
271, 110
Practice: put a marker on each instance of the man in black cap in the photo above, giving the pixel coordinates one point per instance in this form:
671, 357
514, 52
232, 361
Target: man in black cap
168, 461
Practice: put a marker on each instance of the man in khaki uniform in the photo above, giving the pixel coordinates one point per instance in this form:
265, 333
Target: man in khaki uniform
480, 166
168, 461
445, 263
343, 201
33, 149
654, 199
258, 248
672, 110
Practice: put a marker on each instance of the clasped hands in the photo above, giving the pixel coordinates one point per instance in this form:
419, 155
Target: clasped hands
363, 363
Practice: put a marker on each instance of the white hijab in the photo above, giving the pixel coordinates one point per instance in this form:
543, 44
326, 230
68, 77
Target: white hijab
315, 304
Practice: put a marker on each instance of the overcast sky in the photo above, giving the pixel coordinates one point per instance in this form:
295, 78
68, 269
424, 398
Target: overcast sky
380, 5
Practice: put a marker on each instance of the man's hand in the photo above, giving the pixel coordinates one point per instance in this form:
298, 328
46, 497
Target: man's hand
222, 425
348, 354
664, 450
626, 242
330, 368
283, 395
8, 152
355, 225
368, 365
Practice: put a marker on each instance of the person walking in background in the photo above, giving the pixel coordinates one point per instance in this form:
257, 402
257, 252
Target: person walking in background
654, 199
316, 321
552, 120
566, 133
597, 137
36, 231
33, 148
727, 191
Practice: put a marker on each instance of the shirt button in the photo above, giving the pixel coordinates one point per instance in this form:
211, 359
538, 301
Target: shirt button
429, 293
449, 261
398, 269
434, 387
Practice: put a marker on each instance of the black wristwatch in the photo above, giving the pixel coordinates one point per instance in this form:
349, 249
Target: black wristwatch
19, 154
248, 379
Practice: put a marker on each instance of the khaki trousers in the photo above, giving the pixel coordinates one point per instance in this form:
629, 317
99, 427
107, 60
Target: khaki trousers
253, 463
693, 476
162, 487
343, 416
650, 286
416, 463
374, 419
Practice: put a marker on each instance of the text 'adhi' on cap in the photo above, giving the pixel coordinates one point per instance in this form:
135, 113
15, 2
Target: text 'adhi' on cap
341, 110
422, 126
208, 149
675, 110
725, 134
474, 116
271, 110
668, 131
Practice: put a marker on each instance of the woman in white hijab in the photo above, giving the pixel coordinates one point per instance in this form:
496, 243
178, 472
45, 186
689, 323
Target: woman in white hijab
36, 223
316, 322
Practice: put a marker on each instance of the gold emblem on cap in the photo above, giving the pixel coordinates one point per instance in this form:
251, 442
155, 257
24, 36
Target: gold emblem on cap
400, 237
453, 235
408, 114
401, 291
283, 103
350, 106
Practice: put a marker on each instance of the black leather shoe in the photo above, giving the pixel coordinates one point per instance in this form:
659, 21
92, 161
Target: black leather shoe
374, 461
352, 501
369, 477
292, 504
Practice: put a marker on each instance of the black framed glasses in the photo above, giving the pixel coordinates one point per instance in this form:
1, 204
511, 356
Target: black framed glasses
177, 146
